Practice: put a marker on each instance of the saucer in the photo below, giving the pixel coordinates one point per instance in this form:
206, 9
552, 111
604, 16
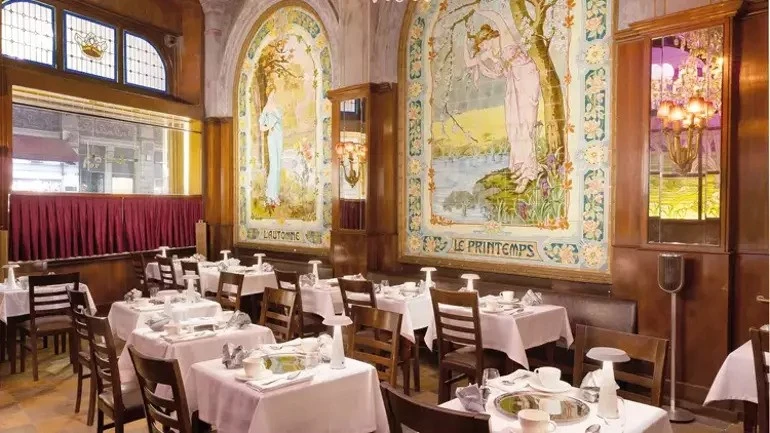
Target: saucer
504, 302
241, 376
488, 310
535, 383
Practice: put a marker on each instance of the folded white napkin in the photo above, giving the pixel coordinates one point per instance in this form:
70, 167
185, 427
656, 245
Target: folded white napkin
271, 383
518, 377
291, 346
188, 337
332, 281
522, 313
471, 398
146, 308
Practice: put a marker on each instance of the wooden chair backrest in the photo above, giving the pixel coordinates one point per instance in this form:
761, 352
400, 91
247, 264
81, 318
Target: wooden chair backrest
379, 347
425, 418
650, 350
162, 414
278, 312
191, 268
360, 287
457, 321
140, 265
289, 280
104, 358
167, 274
48, 294
759, 347
226, 297
79, 309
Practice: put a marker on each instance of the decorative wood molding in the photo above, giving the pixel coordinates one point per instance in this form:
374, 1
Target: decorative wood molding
689, 19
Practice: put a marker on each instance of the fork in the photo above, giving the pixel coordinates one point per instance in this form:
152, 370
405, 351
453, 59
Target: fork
289, 377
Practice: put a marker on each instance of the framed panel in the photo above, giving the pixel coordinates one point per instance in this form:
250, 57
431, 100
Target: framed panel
28, 31
142, 64
90, 47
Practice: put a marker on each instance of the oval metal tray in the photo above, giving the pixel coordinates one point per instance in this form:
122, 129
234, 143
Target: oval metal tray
569, 410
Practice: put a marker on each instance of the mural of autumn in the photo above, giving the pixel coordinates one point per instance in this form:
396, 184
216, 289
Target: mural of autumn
283, 132
505, 120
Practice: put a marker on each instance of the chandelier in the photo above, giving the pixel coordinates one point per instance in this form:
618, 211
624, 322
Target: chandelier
683, 128
352, 157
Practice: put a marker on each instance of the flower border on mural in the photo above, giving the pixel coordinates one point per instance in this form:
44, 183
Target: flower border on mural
580, 253
309, 236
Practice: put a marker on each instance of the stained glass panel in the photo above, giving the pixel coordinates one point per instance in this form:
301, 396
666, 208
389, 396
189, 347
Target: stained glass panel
28, 31
89, 47
143, 65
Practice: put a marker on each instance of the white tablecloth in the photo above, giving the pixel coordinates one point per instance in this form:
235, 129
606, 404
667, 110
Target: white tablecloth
188, 353
124, 318
736, 379
16, 302
416, 312
513, 335
334, 401
153, 271
253, 283
639, 418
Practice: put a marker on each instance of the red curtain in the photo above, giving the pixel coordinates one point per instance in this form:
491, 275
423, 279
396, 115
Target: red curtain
60, 226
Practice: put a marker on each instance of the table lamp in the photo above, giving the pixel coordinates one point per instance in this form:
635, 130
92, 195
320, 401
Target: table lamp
259, 257
315, 264
163, 251
608, 389
428, 276
338, 350
469, 281
188, 281
225, 254
10, 280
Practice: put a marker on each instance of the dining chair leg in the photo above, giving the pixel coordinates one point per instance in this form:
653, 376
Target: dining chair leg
3, 340
33, 346
22, 351
79, 392
12, 341
55, 344
416, 363
406, 367
100, 422
45, 342
118, 426
91, 398
443, 387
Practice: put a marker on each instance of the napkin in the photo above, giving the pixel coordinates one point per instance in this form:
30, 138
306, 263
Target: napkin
594, 379
287, 347
271, 383
471, 398
239, 320
132, 295
232, 356
147, 308
357, 277
267, 267
532, 298
156, 322
518, 377
188, 337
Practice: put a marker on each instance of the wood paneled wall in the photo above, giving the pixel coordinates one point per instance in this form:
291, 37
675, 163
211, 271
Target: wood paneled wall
219, 192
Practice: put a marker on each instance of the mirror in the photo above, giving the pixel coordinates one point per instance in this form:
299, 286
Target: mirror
685, 147
352, 149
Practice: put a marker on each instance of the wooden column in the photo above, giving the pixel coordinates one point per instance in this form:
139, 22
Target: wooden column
218, 209
6, 145
175, 161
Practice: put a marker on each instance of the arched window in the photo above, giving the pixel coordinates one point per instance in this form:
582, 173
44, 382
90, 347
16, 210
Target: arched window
143, 65
28, 31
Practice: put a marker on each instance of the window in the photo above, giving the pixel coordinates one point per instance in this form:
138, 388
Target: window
28, 31
89, 47
143, 64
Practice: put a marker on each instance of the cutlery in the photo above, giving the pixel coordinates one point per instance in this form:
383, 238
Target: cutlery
289, 377
516, 311
594, 428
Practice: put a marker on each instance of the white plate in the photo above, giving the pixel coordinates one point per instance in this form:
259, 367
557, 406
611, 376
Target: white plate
563, 386
491, 311
241, 376
504, 302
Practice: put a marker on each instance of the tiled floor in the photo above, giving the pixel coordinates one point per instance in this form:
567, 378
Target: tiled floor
47, 406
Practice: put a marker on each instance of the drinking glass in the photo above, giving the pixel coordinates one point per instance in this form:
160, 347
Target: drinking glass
616, 425
384, 284
488, 375
153, 292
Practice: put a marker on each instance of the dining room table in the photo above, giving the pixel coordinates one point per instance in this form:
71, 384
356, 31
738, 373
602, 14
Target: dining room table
124, 316
14, 308
633, 417
191, 346
330, 400
516, 330
254, 282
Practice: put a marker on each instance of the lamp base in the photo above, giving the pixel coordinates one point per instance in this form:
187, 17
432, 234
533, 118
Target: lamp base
680, 415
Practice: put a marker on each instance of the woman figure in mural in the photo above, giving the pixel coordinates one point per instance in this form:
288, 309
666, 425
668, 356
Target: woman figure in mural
499, 54
271, 122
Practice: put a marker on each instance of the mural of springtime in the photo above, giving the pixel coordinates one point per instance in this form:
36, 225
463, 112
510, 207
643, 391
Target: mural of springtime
283, 132
506, 143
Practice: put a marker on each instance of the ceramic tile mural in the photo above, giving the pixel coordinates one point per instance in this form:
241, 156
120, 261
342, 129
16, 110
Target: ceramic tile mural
506, 136
283, 133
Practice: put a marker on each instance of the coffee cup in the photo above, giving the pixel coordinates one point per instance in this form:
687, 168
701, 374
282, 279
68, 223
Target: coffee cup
548, 376
171, 329
309, 345
535, 421
254, 367
493, 305
507, 295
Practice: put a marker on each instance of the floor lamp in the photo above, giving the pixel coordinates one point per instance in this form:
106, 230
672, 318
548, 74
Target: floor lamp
671, 280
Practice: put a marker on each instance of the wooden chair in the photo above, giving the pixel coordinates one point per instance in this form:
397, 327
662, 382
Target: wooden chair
460, 328
48, 314
641, 349
424, 418
375, 338
227, 298
191, 268
308, 324
79, 310
123, 404
139, 265
162, 414
278, 312
167, 274
363, 294
759, 347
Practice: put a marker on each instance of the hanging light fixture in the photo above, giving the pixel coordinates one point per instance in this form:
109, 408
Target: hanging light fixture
683, 126
352, 157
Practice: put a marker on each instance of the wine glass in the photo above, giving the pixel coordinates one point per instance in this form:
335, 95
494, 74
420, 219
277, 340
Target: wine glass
488, 375
384, 284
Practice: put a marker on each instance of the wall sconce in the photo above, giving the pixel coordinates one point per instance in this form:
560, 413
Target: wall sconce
352, 157
683, 127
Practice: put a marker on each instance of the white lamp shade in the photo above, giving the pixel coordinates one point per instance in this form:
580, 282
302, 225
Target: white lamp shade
609, 354
428, 269
315, 262
10, 266
469, 277
259, 254
337, 321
